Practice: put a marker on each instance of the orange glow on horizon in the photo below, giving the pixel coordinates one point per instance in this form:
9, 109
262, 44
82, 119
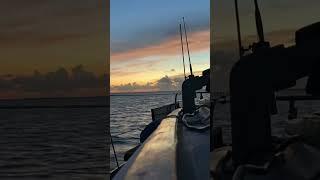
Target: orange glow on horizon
139, 64
197, 42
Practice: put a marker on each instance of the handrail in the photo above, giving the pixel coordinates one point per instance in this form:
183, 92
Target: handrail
285, 98
293, 111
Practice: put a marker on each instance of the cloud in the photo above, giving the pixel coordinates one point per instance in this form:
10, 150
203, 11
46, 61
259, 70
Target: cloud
198, 41
147, 37
43, 22
29, 38
146, 32
59, 82
134, 87
165, 83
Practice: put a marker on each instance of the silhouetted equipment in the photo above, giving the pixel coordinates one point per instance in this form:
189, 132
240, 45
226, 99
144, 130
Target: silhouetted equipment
260, 32
186, 36
308, 39
182, 50
257, 76
192, 83
308, 36
189, 88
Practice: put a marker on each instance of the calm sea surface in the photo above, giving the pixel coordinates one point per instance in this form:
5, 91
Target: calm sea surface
130, 113
222, 114
53, 143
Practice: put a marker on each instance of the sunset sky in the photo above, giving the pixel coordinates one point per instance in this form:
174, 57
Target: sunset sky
145, 43
59, 48
52, 48
280, 20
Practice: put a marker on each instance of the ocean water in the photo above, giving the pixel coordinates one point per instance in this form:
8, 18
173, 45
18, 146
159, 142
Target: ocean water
129, 114
278, 121
56, 143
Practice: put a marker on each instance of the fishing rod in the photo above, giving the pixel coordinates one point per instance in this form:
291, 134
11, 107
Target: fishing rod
184, 68
241, 49
261, 41
259, 25
185, 32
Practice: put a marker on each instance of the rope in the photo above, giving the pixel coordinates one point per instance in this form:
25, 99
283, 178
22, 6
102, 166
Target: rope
113, 148
114, 151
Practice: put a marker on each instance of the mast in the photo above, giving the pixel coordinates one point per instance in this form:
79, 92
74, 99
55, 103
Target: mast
185, 32
182, 51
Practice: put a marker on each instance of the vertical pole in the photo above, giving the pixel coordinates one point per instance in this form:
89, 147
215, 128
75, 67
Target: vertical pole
259, 25
185, 32
238, 29
184, 68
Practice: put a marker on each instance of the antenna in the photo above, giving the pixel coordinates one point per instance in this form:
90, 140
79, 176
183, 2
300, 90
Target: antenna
241, 52
259, 25
184, 68
185, 32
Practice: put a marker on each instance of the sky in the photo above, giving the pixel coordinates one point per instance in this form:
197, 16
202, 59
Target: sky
145, 43
52, 48
59, 48
281, 18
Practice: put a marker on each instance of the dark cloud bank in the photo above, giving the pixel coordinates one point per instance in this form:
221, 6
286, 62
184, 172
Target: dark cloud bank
61, 81
166, 83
